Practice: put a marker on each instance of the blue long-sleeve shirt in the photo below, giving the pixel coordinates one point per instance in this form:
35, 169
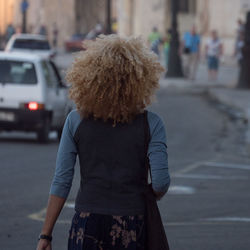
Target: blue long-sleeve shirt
67, 154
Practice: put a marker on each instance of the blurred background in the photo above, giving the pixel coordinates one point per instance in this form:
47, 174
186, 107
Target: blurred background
204, 100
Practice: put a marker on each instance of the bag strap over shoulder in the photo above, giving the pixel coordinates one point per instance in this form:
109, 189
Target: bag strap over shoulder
156, 237
146, 142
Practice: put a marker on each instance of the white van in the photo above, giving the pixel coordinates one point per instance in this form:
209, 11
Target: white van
30, 43
32, 95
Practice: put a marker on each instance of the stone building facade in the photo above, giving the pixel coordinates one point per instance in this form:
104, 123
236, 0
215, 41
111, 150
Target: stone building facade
48, 12
7, 9
138, 17
70, 16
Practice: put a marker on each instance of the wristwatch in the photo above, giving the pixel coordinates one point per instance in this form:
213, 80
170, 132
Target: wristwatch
45, 237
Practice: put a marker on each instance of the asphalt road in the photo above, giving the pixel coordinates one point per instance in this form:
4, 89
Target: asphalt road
208, 204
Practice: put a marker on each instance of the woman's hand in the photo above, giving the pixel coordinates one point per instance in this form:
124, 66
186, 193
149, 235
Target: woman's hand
54, 208
158, 195
44, 245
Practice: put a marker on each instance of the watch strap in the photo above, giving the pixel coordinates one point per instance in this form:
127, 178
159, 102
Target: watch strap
45, 237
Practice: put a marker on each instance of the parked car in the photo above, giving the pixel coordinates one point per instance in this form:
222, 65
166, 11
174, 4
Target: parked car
75, 43
33, 96
37, 44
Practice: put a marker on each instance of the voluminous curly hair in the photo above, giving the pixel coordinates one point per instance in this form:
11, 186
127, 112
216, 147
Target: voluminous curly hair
114, 78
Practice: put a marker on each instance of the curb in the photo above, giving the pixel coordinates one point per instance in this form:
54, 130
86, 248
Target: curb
232, 98
238, 100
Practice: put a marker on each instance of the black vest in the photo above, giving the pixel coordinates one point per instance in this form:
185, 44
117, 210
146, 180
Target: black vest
112, 167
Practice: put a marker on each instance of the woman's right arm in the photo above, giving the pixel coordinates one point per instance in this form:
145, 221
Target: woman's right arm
62, 181
55, 205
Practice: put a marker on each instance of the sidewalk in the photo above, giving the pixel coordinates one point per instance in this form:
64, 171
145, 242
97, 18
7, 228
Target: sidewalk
227, 77
237, 99
223, 91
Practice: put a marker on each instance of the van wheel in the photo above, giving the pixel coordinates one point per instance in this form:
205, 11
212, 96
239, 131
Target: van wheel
43, 133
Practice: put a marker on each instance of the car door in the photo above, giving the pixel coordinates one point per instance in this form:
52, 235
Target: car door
62, 91
55, 94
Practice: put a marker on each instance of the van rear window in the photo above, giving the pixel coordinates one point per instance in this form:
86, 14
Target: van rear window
17, 72
31, 44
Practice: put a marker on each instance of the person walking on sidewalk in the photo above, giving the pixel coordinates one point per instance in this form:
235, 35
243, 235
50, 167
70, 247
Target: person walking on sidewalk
238, 49
191, 53
214, 51
154, 41
10, 31
112, 83
240, 29
166, 47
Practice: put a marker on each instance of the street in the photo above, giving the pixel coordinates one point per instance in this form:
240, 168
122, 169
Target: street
203, 99
207, 206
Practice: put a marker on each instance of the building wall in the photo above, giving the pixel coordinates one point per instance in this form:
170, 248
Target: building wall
137, 17
125, 17
61, 13
48, 12
70, 16
152, 14
7, 9
223, 16
88, 14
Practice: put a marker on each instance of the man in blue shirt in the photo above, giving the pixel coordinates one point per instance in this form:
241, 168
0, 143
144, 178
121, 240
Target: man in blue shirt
191, 52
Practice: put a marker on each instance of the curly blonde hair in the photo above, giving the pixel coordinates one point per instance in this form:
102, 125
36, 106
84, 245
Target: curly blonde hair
114, 78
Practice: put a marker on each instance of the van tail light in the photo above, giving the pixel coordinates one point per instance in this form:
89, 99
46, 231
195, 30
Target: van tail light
33, 106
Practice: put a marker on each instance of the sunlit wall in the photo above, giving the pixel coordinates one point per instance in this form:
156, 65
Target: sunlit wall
7, 8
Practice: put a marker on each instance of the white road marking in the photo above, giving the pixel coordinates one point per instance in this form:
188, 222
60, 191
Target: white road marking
209, 177
182, 173
40, 215
226, 165
176, 190
25, 135
70, 204
230, 219
189, 168
204, 222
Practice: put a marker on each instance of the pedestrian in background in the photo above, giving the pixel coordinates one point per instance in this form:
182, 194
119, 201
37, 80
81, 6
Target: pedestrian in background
43, 30
112, 83
190, 48
166, 47
95, 32
238, 48
9, 32
154, 41
214, 50
240, 29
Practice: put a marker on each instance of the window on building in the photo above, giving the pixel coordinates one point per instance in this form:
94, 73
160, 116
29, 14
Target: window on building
187, 6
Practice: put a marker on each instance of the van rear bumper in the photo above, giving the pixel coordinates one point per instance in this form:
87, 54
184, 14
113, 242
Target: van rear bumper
23, 120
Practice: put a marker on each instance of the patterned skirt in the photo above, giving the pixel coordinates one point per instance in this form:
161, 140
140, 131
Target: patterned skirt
91, 231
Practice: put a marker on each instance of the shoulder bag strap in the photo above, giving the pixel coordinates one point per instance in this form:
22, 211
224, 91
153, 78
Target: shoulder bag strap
146, 143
